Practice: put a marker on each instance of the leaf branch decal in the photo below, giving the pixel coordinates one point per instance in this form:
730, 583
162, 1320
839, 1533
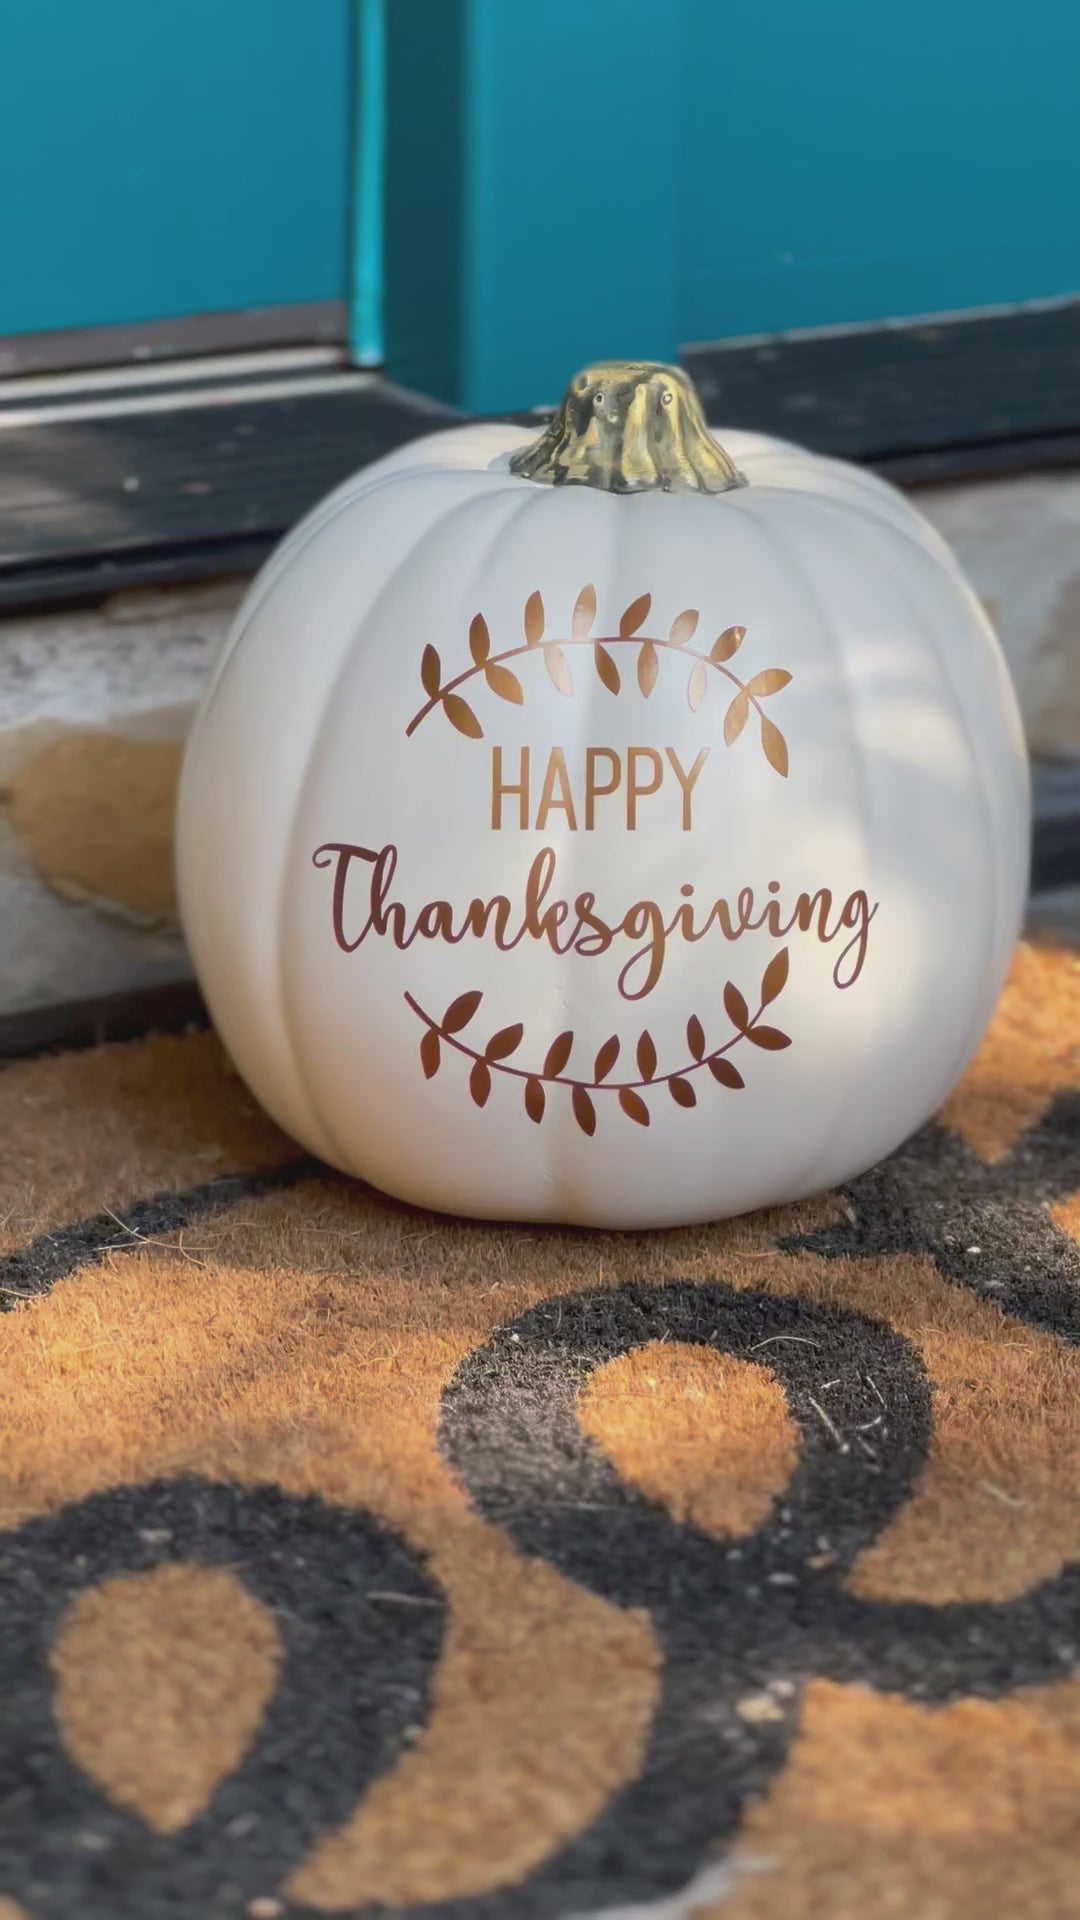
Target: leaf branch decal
588, 1087
479, 640
706, 661
584, 614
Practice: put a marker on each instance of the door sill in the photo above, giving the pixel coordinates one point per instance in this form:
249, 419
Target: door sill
132, 477
307, 323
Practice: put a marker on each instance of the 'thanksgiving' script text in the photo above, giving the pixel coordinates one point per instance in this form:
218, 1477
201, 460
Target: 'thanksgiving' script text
364, 907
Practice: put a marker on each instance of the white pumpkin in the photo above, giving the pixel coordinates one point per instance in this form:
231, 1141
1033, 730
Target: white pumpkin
630, 850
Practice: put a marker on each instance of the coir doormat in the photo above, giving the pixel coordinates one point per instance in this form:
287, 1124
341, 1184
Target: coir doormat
356, 1562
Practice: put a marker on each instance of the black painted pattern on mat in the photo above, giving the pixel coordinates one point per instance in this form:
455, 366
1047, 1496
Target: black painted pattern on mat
34, 1269
758, 1618
361, 1627
985, 1228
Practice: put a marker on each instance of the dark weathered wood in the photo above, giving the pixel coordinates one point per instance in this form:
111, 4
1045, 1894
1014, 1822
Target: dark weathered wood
89, 506
116, 1016
877, 392
985, 460
1055, 853
86, 579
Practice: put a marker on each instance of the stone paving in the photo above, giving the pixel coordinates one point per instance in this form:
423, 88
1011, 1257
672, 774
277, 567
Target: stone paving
94, 706
1018, 540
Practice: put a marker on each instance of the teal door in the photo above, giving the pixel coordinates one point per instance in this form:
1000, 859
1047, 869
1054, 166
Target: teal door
166, 158
596, 178
501, 190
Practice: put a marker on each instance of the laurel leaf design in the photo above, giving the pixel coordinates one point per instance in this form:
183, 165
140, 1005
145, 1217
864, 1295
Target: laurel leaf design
555, 662
770, 680
775, 746
735, 718
557, 1055
735, 1007
647, 666
770, 1038
635, 616
695, 1037
479, 639
683, 627
460, 715
505, 684
681, 1085
726, 644
606, 1058
584, 613
606, 669
430, 672
503, 1044
508, 687
774, 978
460, 1011
646, 1056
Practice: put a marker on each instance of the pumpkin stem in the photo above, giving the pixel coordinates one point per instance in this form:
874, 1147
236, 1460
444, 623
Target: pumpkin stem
629, 426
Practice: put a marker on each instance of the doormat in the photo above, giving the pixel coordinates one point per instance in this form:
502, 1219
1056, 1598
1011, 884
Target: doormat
359, 1562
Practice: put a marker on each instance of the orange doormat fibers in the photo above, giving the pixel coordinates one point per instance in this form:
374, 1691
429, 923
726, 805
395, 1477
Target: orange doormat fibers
355, 1560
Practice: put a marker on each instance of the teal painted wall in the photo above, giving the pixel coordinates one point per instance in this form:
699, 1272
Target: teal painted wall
640, 174
167, 157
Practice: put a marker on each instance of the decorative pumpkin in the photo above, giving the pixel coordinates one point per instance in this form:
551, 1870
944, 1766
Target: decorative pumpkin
609, 828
